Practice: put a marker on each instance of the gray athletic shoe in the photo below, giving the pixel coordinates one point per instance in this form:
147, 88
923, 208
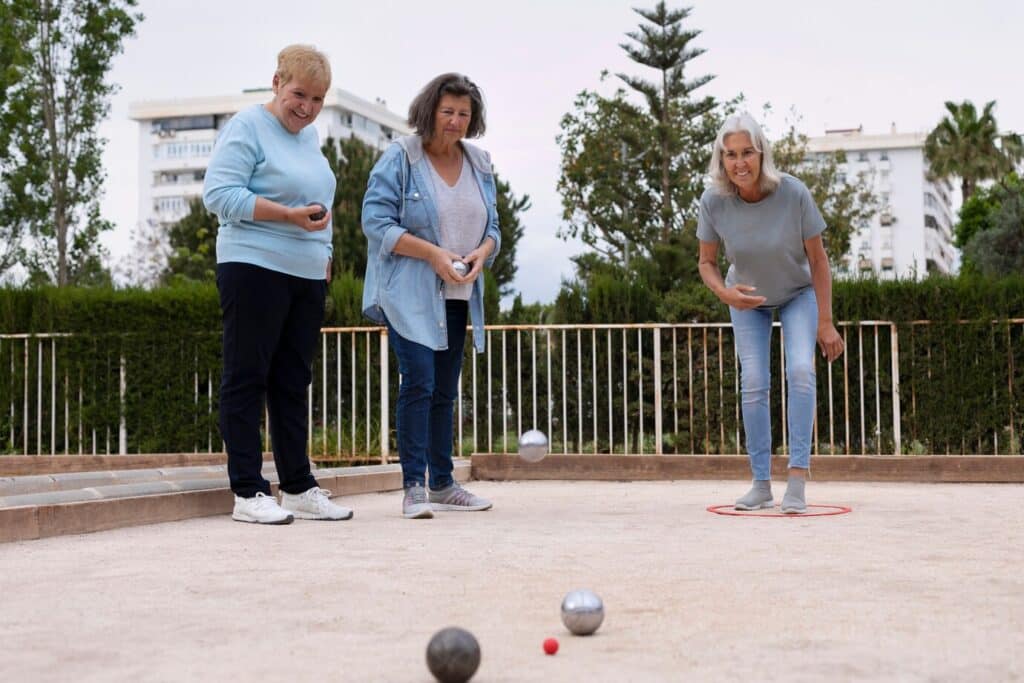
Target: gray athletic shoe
759, 496
793, 502
415, 505
455, 497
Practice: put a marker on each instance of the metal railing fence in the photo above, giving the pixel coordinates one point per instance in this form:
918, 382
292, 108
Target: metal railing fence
909, 388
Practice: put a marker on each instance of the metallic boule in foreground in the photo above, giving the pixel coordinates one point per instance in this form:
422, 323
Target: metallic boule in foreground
582, 612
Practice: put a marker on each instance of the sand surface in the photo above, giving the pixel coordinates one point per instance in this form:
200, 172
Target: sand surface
919, 582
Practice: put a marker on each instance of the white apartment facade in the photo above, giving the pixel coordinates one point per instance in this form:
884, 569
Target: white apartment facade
912, 234
176, 139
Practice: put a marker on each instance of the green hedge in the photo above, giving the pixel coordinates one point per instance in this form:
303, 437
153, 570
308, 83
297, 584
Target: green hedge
960, 383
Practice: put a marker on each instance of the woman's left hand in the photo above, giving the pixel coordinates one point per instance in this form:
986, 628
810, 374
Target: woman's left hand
829, 341
476, 259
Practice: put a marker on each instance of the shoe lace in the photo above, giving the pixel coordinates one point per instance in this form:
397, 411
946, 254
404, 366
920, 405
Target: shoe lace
460, 496
264, 502
319, 496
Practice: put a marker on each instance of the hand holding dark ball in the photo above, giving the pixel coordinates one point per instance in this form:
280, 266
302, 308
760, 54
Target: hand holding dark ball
319, 214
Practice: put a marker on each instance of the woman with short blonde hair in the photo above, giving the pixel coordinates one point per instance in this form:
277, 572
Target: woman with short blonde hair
272, 189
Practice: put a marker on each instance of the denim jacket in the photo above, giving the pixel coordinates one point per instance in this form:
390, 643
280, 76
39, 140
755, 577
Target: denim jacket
399, 199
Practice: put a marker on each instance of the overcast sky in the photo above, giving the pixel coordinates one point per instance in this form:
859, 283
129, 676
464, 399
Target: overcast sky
837, 63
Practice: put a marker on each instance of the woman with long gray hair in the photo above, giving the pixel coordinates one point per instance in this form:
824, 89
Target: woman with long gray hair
771, 230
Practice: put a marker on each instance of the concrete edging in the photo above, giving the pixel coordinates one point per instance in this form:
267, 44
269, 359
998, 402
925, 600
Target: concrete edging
55, 518
908, 468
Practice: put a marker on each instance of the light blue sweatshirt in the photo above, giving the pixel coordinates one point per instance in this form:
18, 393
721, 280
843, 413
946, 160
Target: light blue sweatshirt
255, 156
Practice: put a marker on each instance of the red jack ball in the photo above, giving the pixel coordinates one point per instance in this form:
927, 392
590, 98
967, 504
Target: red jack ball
550, 646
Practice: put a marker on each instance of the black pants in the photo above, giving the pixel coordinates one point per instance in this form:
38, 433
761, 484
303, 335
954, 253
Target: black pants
271, 323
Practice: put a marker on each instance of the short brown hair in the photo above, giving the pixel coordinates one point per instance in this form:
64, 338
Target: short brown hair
423, 108
303, 61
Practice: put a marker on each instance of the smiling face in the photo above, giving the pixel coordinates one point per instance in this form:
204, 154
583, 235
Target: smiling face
452, 118
297, 103
742, 164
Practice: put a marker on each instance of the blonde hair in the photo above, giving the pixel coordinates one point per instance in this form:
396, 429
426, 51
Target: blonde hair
303, 61
768, 179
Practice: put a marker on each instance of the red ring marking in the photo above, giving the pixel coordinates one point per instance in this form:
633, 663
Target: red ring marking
830, 510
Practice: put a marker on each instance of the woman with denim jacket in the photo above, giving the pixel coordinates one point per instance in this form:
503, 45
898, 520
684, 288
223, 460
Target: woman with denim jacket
771, 230
431, 222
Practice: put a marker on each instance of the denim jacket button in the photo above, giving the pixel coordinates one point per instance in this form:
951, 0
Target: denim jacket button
415, 195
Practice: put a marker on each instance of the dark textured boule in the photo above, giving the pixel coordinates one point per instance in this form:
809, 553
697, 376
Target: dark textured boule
320, 214
453, 655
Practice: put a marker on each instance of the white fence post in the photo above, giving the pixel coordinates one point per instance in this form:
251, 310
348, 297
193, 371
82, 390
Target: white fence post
385, 428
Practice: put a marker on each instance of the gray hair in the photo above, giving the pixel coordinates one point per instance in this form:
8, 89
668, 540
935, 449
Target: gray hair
769, 177
423, 109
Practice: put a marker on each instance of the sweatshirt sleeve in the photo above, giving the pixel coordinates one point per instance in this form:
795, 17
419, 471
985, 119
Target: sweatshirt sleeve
226, 187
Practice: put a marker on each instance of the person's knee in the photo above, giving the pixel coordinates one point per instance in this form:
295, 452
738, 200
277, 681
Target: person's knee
755, 383
800, 376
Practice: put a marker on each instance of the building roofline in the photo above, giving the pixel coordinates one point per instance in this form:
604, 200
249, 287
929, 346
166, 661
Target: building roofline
853, 140
147, 110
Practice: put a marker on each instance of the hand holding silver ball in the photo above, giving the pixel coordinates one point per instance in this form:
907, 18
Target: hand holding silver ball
460, 267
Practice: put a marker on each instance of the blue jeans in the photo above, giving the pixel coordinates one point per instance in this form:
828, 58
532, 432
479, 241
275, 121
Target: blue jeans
426, 401
753, 330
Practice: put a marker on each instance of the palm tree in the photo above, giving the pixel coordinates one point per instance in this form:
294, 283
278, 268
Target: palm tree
971, 147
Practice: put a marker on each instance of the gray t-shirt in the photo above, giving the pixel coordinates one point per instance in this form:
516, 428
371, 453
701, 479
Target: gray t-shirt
463, 218
764, 241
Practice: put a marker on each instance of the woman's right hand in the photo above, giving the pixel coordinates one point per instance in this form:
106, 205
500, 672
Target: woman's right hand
738, 296
302, 216
441, 261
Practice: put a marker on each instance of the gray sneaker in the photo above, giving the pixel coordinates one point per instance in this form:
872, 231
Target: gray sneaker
793, 503
415, 505
455, 497
759, 496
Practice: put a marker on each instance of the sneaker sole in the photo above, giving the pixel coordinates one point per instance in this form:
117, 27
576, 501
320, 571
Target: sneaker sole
252, 520
422, 514
794, 511
461, 508
314, 516
751, 508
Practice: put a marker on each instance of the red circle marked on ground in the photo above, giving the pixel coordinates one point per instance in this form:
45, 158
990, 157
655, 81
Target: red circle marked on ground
824, 511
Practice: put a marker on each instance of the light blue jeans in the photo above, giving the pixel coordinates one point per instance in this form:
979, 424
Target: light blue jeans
753, 330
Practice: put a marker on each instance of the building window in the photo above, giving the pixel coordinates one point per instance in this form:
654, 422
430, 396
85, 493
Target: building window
884, 156
184, 123
862, 156
169, 205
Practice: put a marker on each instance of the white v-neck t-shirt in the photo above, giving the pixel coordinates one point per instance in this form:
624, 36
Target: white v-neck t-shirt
463, 218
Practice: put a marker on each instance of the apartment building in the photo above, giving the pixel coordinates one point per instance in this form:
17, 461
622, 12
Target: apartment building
176, 139
912, 234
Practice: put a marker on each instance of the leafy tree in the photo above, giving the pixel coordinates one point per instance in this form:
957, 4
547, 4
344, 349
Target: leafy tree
54, 174
975, 216
509, 208
631, 174
847, 204
999, 250
193, 246
351, 160
970, 146
14, 30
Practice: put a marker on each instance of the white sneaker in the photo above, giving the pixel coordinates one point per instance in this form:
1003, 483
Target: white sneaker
314, 504
261, 509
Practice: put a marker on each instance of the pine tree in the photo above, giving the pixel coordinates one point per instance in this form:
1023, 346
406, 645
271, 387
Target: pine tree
665, 47
632, 173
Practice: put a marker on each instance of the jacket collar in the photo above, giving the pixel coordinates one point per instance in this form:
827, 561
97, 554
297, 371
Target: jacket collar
413, 146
